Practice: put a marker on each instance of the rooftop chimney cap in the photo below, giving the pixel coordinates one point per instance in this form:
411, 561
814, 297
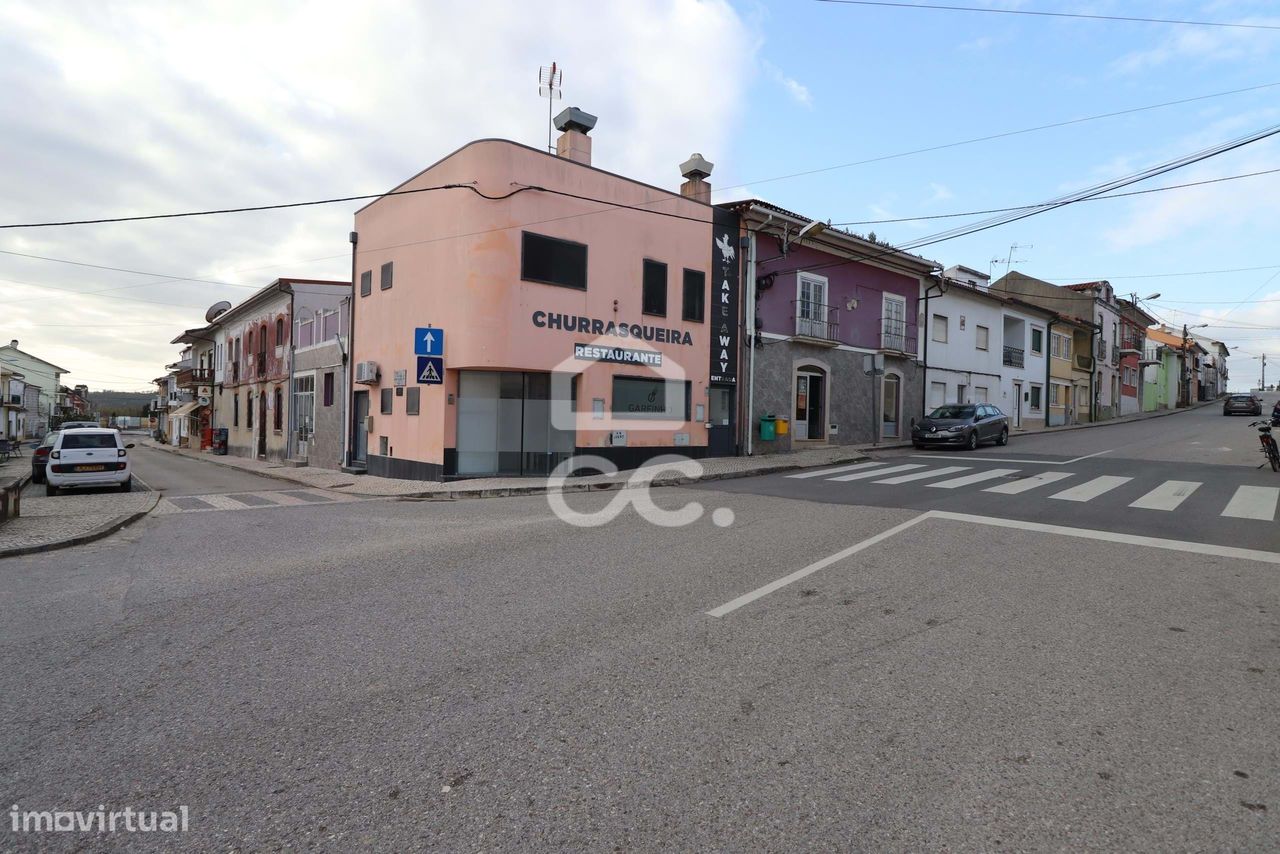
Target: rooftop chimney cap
14, 343
696, 167
571, 118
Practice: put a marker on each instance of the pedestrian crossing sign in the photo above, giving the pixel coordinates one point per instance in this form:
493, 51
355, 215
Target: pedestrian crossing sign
430, 370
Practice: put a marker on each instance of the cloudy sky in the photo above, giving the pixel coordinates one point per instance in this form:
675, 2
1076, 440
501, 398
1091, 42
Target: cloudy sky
119, 109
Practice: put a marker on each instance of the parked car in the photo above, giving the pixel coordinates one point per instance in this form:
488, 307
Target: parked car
95, 456
76, 425
40, 456
965, 424
1246, 404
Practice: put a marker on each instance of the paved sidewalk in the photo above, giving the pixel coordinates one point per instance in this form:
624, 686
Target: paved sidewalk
718, 468
68, 520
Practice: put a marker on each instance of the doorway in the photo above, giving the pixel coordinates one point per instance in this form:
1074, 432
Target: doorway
360, 428
892, 397
810, 406
1017, 405
262, 424
505, 425
720, 417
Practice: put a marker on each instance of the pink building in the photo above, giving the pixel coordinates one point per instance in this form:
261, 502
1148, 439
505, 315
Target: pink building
514, 307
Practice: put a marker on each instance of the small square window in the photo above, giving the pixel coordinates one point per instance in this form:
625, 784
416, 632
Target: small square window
386, 276
1037, 341
695, 295
983, 335
366, 283
388, 398
412, 401
654, 297
940, 328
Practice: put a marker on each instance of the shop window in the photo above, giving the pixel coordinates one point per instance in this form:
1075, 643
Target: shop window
328, 388
412, 401
277, 422
553, 261
695, 295
385, 284
366, 283
388, 399
640, 397
654, 298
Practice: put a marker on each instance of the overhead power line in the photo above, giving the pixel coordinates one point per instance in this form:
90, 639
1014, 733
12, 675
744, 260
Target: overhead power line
1078, 15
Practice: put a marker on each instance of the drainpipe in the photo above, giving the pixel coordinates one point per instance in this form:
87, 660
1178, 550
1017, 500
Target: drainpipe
750, 309
349, 393
1048, 376
1093, 352
923, 332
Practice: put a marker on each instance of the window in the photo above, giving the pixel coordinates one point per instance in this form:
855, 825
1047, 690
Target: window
654, 299
940, 328
1037, 341
248, 409
279, 331
980, 393
249, 349
385, 284
553, 261
961, 391
1035, 397
328, 325
1061, 346
983, 335
695, 295
277, 421
235, 410
893, 327
637, 397
366, 283
411, 400
388, 397
305, 336
328, 388
937, 394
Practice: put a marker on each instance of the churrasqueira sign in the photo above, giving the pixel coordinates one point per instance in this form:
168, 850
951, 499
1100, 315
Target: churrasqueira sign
597, 327
593, 353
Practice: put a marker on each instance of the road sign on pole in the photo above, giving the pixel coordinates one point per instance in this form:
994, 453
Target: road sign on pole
430, 370
428, 342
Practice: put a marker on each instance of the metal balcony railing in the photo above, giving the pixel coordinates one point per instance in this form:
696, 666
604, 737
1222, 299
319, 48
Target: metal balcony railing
893, 335
815, 320
1084, 363
1014, 357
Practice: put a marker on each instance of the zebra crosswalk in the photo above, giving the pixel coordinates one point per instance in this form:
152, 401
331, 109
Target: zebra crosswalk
1246, 501
250, 500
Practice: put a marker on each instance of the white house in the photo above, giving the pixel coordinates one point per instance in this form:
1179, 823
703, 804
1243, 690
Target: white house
980, 346
44, 376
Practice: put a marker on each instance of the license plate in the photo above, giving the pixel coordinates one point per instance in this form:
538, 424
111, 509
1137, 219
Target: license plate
90, 468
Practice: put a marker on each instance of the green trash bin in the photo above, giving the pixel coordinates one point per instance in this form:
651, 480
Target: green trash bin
768, 428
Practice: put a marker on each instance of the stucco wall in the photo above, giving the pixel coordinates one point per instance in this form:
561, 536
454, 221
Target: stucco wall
324, 448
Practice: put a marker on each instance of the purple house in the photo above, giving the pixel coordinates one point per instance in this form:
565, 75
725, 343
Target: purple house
828, 306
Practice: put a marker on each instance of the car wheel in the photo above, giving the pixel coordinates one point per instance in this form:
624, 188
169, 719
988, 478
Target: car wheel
50, 489
1004, 437
972, 442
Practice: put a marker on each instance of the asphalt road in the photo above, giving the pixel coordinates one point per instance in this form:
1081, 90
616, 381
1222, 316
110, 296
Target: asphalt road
433, 675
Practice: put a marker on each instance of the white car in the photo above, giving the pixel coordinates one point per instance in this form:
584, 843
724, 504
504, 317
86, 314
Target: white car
88, 456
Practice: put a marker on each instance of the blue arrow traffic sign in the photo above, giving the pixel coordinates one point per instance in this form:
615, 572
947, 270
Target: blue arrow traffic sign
430, 370
428, 342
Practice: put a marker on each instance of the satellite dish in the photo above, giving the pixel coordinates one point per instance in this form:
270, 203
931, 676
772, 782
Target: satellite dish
216, 309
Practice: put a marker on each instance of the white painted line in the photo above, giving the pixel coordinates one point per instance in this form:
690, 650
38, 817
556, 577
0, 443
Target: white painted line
1167, 496
1018, 487
748, 598
864, 474
281, 499
1253, 502
921, 475
1091, 489
1029, 462
825, 472
1112, 537
225, 502
970, 479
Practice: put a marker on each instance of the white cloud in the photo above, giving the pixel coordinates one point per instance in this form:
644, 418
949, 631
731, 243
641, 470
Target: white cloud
798, 91
153, 107
939, 193
1203, 45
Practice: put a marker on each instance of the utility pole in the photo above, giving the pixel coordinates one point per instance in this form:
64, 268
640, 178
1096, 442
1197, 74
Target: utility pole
1186, 369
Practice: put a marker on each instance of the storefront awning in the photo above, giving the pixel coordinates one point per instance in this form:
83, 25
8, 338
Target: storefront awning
184, 409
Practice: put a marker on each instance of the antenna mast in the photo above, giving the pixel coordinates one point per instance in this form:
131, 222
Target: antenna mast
549, 88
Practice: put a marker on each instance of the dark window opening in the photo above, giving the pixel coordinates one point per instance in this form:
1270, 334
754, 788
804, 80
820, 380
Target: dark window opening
412, 401
328, 388
388, 398
278, 420
640, 397
386, 276
235, 411
248, 410
366, 283
654, 300
279, 331
553, 261
695, 295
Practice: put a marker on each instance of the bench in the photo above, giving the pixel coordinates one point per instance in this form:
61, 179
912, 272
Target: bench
11, 498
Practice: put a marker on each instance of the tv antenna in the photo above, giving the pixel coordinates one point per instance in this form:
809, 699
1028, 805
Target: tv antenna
1010, 260
549, 88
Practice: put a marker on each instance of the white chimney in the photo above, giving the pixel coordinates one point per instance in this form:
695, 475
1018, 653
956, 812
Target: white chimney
574, 144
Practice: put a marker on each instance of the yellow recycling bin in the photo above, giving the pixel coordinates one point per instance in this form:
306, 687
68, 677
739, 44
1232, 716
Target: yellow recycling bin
783, 426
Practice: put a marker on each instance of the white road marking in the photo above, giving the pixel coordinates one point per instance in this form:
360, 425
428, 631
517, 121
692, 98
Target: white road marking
1039, 527
748, 598
978, 459
1028, 483
825, 472
282, 499
224, 502
1091, 489
1253, 502
921, 475
863, 474
1167, 496
970, 479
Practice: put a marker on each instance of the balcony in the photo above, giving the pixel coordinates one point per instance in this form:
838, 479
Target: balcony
195, 376
894, 337
815, 322
1014, 357
1084, 363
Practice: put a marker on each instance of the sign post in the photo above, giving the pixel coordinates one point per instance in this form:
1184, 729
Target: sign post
428, 346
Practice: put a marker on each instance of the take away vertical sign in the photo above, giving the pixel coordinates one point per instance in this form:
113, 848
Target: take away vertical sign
724, 297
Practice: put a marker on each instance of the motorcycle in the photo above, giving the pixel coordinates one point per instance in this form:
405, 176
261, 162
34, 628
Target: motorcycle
1268, 441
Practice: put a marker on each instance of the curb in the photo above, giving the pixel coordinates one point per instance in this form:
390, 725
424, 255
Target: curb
202, 458
96, 534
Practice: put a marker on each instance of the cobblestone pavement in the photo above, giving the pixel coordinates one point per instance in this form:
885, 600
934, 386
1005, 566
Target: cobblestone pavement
49, 522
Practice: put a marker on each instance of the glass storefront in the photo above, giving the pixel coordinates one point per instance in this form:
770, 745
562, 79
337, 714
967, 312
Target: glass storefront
504, 424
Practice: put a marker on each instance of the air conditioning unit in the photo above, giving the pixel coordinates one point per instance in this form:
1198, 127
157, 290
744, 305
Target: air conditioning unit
367, 372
